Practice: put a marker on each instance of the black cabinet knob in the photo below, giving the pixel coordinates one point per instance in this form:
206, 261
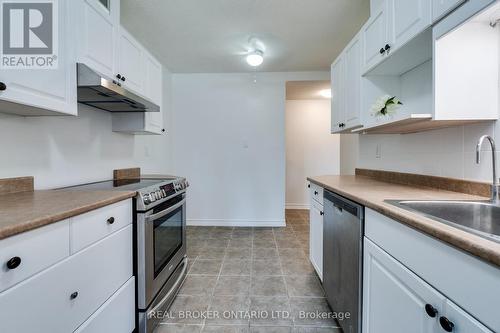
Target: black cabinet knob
315, 192
308, 185
74, 295
111, 220
3, 86
321, 213
446, 324
119, 76
163, 130
382, 51
387, 47
13, 263
123, 78
431, 311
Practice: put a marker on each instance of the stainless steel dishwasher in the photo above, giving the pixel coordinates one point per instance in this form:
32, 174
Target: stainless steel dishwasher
343, 258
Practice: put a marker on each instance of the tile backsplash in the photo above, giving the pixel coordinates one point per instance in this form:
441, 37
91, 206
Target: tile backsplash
448, 152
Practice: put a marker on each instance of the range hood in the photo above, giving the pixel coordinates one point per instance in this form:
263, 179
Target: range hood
106, 94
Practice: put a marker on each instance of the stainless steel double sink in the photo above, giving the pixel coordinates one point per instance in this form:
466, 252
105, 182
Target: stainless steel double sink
478, 217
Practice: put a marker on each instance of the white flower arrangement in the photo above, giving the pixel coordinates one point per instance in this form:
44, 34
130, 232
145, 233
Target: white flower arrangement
385, 106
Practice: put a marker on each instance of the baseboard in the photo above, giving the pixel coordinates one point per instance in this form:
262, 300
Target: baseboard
235, 223
297, 206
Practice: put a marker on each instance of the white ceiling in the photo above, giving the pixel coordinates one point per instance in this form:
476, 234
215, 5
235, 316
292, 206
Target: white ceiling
297, 90
196, 36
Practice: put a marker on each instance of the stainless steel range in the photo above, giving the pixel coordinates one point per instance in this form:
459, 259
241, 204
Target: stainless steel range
160, 241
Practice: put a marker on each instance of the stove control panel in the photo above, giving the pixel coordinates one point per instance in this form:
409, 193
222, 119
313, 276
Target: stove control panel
164, 190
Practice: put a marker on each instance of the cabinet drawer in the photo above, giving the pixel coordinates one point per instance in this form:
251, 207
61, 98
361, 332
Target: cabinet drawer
317, 193
43, 303
116, 315
471, 283
36, 249
90, 227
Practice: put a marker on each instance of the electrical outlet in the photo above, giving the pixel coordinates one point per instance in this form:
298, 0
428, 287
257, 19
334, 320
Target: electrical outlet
378, 151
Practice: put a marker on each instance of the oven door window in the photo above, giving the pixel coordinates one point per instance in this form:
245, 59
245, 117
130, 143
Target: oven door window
167, 238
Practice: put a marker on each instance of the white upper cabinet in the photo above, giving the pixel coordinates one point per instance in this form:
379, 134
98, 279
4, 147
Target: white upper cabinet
98, 22
145, 122
337, 82
346, 88
393, 24
34, 92
466, 63
130, 57
352, 95
443, 7
375, 37
408, 18
154, 91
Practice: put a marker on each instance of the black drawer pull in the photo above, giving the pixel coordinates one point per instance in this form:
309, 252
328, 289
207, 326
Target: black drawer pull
316, 193
3, 86
74, 295
382, 51
111, 220
446, 324
431, 311
321, 213
13, 263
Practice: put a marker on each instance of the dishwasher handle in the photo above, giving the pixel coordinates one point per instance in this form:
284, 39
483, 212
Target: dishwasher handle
343, 204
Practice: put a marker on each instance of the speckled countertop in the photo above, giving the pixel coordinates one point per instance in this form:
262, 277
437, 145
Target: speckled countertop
371, 193
24, 211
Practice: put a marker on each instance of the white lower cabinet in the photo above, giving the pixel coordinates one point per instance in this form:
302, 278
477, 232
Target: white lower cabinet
415, 283
316, 237
395, 299
316, 228
94, 283
116, 315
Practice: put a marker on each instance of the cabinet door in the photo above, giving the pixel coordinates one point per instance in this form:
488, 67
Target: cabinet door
338, 93
442, 7
462, 322
116, 315
408, 18
352, 107
130, 57
154, 91
375, 37
316, 241
97, 31
44, 91
395, 299
48, 301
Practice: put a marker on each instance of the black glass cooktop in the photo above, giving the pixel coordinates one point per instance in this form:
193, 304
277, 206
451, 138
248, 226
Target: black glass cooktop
120, 184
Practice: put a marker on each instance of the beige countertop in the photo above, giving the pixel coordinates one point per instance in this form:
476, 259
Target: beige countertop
371, 193
24, 211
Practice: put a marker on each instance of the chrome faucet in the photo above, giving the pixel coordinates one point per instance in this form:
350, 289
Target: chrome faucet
494, 185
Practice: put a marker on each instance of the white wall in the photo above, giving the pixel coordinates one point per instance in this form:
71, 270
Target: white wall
349, 154
311, 150
65, 150
447, 152
229, 141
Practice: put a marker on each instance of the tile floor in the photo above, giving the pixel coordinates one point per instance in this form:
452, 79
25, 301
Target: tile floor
250, 280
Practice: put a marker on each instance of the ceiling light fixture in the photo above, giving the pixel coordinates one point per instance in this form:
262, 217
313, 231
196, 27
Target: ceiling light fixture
326, 93
255, 58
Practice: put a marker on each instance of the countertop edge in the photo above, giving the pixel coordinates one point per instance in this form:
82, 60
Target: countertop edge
451, 237
27, 226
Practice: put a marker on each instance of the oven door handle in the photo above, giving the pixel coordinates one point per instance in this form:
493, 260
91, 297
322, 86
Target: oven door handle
173, 289
166, 211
